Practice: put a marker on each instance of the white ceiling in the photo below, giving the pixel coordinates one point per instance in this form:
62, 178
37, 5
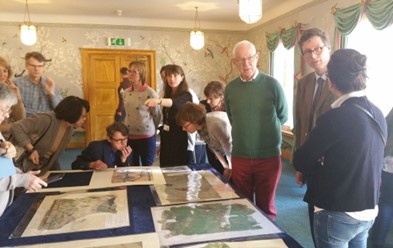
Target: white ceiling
213, 14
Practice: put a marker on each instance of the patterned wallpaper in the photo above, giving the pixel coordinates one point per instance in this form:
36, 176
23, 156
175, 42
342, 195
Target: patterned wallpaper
62, 43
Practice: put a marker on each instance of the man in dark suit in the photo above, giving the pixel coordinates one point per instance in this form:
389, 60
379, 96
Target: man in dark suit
311, 102
108, 153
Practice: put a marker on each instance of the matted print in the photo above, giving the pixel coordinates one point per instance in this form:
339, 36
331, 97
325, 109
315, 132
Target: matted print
192, 186
267, 243
113, 177
147, 240
133, 175
197, 222
79, 211
172, 169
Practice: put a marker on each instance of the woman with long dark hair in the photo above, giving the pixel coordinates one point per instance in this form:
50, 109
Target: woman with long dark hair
174, 141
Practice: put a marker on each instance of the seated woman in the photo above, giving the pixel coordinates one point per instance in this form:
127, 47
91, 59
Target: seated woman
11, 177
108, 153
44, 136
18, 111
214, 128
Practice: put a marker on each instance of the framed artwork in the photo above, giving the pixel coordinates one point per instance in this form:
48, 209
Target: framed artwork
108, 178
147, 240
267, 243
191, 186
206, 221
77, 211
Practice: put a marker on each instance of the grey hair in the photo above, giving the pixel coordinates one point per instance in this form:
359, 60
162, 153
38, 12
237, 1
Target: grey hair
7, 96
243, 43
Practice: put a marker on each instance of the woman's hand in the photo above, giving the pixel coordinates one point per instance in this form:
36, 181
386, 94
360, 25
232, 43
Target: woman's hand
35, 183
152, 102
7, 149
34, 157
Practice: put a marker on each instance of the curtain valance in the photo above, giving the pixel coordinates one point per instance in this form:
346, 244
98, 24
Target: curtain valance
287, 36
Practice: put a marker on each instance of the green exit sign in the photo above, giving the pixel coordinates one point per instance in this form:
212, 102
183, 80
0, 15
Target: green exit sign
116, 41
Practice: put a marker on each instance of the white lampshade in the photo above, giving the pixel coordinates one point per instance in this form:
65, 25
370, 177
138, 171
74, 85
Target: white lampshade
250, 11
28, 34
197, 39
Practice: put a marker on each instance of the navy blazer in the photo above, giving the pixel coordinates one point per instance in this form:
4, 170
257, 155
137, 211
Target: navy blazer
99, 150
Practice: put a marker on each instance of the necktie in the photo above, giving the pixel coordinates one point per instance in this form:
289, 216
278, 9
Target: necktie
317, 95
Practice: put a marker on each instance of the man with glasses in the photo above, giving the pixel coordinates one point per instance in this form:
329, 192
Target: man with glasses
313, 97
39, 93
109, 153
256, 107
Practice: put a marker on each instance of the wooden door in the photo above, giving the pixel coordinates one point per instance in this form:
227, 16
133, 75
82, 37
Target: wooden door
101, 78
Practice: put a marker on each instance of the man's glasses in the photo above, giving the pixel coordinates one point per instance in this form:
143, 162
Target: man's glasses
244, 60
119, 140
316, 51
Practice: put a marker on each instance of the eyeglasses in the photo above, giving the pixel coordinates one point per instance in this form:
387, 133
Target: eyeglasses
132, 72
316, 51
119, 140
243, 60
36, 66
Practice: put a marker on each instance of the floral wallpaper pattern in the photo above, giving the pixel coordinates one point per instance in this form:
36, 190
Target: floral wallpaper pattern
61, 44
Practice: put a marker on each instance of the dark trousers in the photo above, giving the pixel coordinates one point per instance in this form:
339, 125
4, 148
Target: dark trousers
143, 150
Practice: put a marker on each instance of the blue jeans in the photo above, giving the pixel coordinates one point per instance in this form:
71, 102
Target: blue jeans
143, 150
339, 230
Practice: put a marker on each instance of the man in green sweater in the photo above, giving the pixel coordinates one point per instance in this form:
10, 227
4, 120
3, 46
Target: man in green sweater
256, 107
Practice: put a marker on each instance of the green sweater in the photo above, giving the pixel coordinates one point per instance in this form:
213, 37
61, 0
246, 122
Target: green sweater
256, 110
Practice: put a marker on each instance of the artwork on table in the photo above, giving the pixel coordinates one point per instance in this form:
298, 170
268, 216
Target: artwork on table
113, 177
132, 175
191, 186
268, 243
197, 222
147, 240
172, 169
79, 211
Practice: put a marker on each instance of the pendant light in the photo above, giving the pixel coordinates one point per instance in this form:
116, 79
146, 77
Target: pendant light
28, 32
197, 37
250, 11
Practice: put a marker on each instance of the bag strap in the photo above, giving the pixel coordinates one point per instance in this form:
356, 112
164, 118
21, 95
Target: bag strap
378, 127
46, 130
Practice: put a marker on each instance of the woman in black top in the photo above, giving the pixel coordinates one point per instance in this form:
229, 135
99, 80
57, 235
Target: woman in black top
173, 149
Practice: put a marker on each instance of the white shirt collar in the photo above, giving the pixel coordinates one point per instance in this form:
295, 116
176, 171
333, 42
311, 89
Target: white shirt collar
253, 77
323, 76
343, 98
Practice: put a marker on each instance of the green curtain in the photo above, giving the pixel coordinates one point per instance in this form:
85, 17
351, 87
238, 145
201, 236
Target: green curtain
378, 12
287, 36
272, 40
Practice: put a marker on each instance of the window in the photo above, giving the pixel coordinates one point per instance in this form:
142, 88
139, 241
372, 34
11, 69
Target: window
376, 45
283, 70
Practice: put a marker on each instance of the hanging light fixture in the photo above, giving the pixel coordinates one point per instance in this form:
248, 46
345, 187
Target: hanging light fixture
250, 11
28, 32
197, 37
